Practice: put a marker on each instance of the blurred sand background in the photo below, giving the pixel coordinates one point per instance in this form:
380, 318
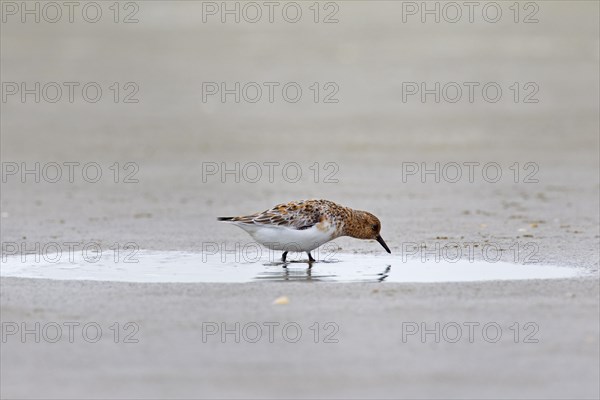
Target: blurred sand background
368, 134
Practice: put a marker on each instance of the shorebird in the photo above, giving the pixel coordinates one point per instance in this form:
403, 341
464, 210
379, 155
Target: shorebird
304, 225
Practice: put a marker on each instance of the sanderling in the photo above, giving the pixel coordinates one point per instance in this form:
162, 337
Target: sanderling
304, 225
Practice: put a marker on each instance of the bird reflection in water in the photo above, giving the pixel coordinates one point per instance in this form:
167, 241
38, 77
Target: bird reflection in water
309, 274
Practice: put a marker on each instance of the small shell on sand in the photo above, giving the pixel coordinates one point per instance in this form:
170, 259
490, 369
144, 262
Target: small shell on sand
281, 300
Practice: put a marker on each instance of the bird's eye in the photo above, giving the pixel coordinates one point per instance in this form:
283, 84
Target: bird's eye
375, 227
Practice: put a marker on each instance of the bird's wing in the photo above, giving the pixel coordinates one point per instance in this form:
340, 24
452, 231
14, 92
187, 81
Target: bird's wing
295, 215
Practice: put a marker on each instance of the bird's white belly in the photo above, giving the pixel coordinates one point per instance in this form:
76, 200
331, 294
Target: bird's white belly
287, 239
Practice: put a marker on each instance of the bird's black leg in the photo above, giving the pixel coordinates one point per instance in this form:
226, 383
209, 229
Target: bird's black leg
310, 258
283, 256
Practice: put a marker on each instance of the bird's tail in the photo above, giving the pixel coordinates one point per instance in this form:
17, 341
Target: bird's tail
225, 218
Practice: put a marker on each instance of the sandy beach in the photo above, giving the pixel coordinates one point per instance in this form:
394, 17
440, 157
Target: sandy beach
173, 154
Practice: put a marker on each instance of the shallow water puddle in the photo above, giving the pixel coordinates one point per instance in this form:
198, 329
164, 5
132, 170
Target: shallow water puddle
174, 266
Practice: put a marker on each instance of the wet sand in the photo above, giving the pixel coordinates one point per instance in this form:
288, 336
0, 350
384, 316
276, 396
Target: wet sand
369, 360
367, 135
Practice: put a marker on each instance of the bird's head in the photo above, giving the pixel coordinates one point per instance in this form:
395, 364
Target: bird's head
366, 226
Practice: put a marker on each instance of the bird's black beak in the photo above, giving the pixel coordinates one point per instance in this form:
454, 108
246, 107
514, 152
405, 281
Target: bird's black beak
381, 242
